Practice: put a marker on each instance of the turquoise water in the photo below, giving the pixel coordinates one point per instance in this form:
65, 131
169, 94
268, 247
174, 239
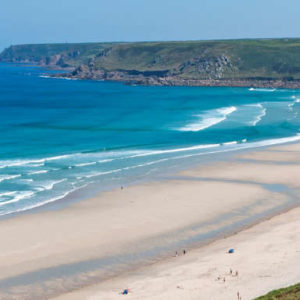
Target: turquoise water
60, 135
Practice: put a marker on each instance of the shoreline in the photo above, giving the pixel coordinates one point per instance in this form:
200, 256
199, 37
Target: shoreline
154, 281
132, 208
98, 75
91, 190
141, 80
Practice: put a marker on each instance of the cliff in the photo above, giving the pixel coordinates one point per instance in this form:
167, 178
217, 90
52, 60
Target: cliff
261, 62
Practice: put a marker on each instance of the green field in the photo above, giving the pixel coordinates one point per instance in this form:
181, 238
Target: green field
223, 59
290, 293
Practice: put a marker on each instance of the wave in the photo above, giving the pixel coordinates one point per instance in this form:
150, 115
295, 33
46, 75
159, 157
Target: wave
85, 164
230, 143
224, 147
209, 118
8, 177
33, 162
36, 205
117, 155
261, 114
262, 89
7, 194
19, 196
38, 172
105, 160
192, 148
49, 185
245, 145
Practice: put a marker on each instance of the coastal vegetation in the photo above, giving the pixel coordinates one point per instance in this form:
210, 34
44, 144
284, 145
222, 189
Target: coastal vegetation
289, 293
223, 62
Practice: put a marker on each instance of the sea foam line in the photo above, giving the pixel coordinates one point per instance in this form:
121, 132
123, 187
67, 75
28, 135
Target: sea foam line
225, 148
8, 177
19, 196
85, 164
209, 118
49, 185
38, 172
259, 117
7, 194
262, 89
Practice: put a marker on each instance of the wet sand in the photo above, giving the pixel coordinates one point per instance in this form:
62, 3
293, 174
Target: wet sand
266, 257
51, 253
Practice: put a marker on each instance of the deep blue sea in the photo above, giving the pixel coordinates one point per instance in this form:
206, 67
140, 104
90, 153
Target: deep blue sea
60, 135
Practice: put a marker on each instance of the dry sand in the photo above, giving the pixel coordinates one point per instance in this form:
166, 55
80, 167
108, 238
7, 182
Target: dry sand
49, 253
267, 257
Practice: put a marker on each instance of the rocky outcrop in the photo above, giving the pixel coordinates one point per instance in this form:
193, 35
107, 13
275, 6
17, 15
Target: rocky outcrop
270, 63
166, 78
212, 68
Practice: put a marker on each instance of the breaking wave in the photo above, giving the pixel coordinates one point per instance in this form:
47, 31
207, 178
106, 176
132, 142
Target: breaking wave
209, 119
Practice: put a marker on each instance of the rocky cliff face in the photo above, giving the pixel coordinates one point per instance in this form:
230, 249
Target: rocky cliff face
236, 62
212, 68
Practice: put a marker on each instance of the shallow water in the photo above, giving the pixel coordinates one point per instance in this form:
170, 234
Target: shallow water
60, 135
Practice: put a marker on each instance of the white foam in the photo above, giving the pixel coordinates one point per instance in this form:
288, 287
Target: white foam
262, 89
38, 204
33, 162
245, 145
230, 143
261, 114
48, 185
18, 196
209, 118
8, 177
192, 148
105, 160
38, 172
101, 173
222, 148
85, 164
7, 194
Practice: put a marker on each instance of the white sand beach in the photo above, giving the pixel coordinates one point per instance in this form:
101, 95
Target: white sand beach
58, 253
266, 257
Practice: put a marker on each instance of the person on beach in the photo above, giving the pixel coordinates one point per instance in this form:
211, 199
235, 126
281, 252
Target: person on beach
184, 252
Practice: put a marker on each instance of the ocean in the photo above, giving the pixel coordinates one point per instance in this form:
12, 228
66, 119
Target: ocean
59, 136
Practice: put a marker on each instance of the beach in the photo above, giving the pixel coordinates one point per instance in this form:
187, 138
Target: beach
128, 237
266, 258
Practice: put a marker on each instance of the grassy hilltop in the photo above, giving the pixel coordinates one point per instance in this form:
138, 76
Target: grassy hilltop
260, 59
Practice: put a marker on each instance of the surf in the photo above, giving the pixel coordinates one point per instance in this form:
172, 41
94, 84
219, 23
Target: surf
209, 119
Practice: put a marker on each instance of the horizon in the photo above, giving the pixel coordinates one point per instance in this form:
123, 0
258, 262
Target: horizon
155, 41
98, 21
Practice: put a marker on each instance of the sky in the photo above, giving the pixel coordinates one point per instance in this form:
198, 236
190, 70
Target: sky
55, 21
